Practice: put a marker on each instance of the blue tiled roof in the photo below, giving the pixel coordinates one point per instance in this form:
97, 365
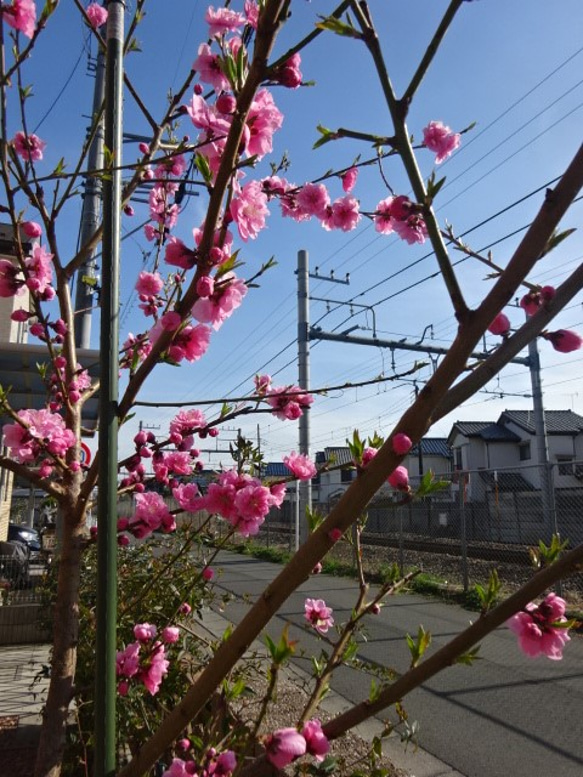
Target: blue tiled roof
276, 469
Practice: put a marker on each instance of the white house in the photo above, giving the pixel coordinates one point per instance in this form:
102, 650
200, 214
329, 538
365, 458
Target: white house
507, 451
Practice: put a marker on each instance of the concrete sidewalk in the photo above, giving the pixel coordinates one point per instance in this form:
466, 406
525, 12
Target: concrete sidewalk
23, 684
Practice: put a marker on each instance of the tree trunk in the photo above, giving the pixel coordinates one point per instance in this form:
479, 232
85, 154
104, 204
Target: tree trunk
64, 655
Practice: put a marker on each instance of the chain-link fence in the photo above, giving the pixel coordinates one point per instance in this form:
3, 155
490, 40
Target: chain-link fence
478, 520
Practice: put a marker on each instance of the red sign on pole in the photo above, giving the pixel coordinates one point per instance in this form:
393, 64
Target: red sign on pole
85, 455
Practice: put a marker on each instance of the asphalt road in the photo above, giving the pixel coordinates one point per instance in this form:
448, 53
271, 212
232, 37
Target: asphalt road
506, 716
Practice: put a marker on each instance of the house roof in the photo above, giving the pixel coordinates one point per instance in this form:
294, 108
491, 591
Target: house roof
432, 446
339, 455
486, 430
276, 469
507, 481
556, 421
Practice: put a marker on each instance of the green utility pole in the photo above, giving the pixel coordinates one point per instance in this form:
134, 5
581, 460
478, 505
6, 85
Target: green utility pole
105, 680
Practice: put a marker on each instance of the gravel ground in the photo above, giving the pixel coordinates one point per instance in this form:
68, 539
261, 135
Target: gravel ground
351, 750
441, 565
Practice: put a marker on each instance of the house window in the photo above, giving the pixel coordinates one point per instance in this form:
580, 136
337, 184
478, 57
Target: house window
346, 475
524, 451
565, 465
458, 458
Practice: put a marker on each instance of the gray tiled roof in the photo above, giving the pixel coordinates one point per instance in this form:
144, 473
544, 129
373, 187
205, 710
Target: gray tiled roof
432, 446
486, 430
338, 455
557, 421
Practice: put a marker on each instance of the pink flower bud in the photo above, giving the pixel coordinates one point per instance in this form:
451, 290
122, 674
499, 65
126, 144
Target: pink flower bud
317, 569
123, 688
335, 534
399, 479
31, 229
208, 574
375, 609
20, 315
198, 89
123, 540
547, 293
185, 609
214, 432
144, 148
93, 532
401, 444
74, 466
205, 286
226, 103
349, 179
500, 325
122, 523
368, 455
564, 340
140, 438
183, 744
128, 210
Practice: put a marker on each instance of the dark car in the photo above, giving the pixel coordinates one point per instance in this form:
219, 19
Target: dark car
27, 536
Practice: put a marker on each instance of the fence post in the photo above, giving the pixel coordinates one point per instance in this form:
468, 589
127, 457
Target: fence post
463, 538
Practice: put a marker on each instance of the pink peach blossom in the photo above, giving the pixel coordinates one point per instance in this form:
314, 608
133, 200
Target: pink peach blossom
301, 466
318, 615
345, 213
21, 16
223, 20
97, 15
284, 746
149, 284
535, 629
441, 140
249, 210
29, 147
144, 632
316, 741
209, 69
170, 634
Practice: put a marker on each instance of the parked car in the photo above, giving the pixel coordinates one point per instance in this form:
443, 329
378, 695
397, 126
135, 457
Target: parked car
29, 537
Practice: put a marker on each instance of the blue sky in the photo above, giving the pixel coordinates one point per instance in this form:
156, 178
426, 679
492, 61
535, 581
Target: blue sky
513, 66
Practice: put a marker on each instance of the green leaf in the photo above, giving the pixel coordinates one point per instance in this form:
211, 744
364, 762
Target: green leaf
202, 165
356, 446
327, 136
470, 657
338, 27
433, 187
556, 239
418, 647
375, 690
429, 485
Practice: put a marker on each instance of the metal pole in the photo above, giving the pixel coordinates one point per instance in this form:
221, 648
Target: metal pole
297, 516
105, 681
547, 487
84, 293
304, 380
463, 537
